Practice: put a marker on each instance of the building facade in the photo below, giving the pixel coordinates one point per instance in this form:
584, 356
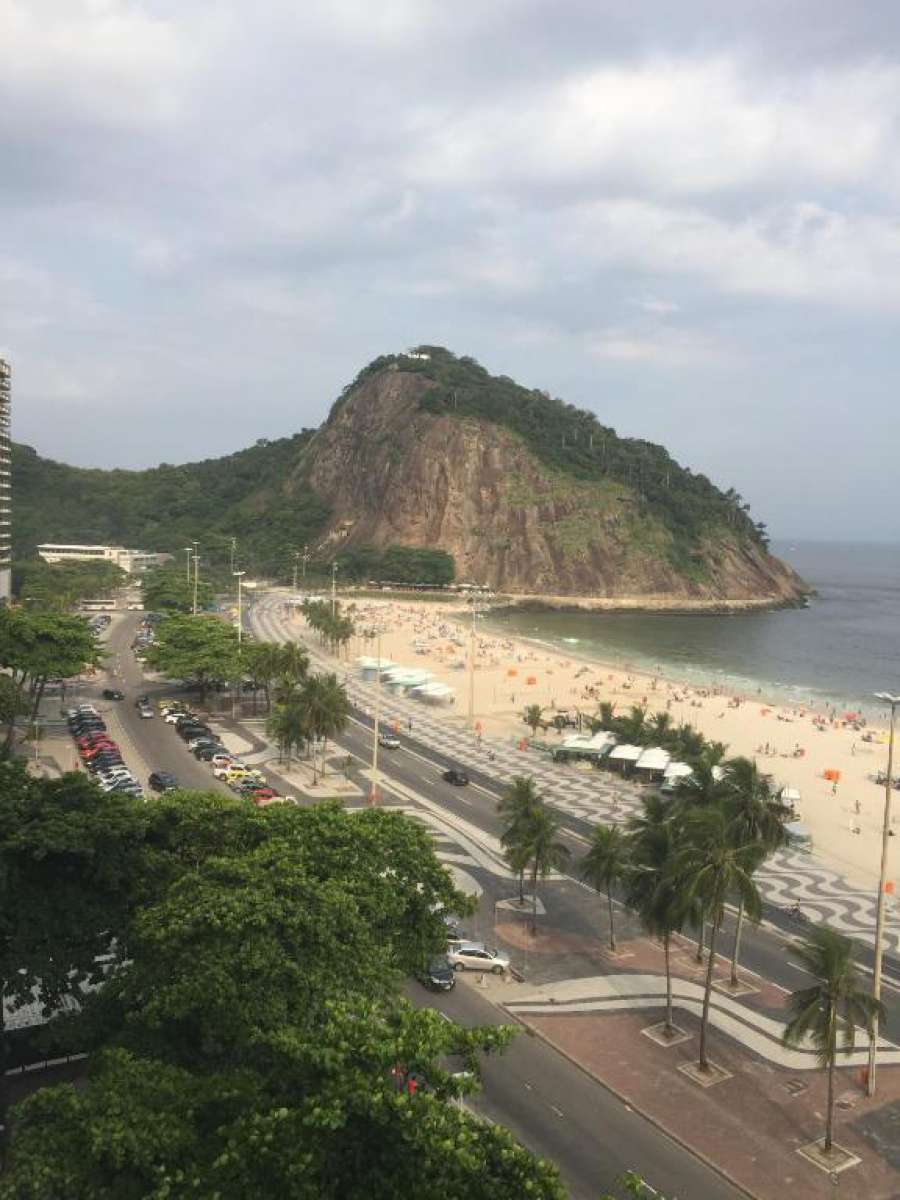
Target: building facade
129, 560
5, 482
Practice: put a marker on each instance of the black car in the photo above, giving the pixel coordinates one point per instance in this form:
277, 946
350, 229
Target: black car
188, 732
112, 694
81, 728
163, 781
208, 750
438, 976
459, 778
141, 700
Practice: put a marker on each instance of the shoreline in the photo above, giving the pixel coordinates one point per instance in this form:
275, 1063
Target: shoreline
795, 740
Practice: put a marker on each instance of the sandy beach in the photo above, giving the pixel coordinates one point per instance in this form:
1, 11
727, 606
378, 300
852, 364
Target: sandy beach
795, 745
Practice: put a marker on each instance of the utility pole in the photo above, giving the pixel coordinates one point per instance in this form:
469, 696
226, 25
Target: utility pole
196, 580
296, 557
305, 561
893, 701
472, 665
187, 551
334, 568
233, 552
374, 789
239, 575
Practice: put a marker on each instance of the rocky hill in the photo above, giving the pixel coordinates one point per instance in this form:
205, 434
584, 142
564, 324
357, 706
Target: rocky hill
529, 495
428, 466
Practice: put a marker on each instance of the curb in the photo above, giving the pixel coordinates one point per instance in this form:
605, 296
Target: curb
657, 1124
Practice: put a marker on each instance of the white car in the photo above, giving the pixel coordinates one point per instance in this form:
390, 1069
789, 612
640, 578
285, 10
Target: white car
388, 741
171, 715
146, 712
469, 956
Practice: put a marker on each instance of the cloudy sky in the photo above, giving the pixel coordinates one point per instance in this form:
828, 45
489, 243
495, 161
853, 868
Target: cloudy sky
683, 216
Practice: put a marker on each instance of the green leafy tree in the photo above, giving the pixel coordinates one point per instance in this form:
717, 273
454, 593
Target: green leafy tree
68, 855
288, 725
532, 717
38, 584
756, 815
42, 645
201, 649
167, 589
830, 1010
702, 790
326, 709
713, 867
606, 865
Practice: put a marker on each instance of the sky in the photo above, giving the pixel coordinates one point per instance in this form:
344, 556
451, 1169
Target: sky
683, 217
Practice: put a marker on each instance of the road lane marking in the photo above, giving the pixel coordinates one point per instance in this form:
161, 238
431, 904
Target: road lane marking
559, 1112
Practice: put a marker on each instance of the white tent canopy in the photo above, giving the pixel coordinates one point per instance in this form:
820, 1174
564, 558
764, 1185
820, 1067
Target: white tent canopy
591, 742
653, 759
677, 770
790, 795
626, 754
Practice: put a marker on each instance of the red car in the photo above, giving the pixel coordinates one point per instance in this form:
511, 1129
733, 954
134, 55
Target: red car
93, 751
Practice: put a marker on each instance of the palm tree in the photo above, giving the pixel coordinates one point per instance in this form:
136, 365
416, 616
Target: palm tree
606, 864
326, 710
518, 801
532, 717
717, 867
756, 815
634, 727
287, 725
294, 662
836, 1004
660, 727
547, 852
700, 791
652, 888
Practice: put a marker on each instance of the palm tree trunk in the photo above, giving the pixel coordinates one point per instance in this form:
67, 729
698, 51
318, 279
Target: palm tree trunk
829, 1120
534, 875
737, 944
612, 930
704, 1023
701, 936
522, 886
670, 1024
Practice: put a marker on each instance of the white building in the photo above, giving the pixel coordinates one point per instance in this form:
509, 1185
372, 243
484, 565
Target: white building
130, 561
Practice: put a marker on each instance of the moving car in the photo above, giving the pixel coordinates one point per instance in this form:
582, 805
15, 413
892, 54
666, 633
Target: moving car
388, 741
112, 694
455, 776
438, 976
146, 712
163, 781
472, 956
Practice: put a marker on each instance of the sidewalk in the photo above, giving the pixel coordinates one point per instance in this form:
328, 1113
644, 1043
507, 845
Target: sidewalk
767, 1103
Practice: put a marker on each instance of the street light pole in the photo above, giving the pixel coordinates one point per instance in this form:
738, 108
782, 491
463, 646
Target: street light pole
296, 557
334, 567
893, 701
233, 552
196, 581
472, 665
305, 561
373, 792
187, 553
239, 575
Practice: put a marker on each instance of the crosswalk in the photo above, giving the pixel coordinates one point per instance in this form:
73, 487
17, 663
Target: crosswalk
593, 797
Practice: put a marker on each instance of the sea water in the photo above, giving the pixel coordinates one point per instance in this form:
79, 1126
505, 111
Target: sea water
838, 651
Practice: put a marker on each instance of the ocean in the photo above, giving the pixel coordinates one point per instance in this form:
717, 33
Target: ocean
839, 650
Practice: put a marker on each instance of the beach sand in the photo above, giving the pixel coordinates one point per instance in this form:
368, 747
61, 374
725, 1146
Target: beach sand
512, 673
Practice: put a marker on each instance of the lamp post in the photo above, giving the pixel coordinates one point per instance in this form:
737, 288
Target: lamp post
374, 789
187, 552
334, 568
893, 701
296, 557
196, 581
305, 561
233, 552
239, 575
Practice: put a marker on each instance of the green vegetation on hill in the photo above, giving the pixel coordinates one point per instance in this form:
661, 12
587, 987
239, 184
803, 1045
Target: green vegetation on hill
395, 564
573, 441
243, 495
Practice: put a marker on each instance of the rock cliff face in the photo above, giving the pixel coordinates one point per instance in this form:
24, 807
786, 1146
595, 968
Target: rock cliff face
395, 474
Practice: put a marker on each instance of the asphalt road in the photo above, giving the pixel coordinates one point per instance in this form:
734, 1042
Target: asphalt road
563, 1114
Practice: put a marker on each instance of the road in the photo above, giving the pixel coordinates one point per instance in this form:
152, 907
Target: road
552, 1106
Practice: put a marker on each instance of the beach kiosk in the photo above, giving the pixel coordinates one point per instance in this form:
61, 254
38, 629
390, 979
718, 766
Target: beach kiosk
651, 766
790, 798
623, 758
673, 775
585, 747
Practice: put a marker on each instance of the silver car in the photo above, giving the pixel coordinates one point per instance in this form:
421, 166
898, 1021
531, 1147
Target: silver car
472, 956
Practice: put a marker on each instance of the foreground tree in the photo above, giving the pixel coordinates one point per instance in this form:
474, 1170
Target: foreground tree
548, 853
519, 800
831, 1010
606, 865
532, 715
69, 856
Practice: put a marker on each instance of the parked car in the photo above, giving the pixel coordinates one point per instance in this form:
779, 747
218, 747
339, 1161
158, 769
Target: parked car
438, 976
455, 776
163, 781
188, 732
388, 741
112, 694
210, 753
473, 957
